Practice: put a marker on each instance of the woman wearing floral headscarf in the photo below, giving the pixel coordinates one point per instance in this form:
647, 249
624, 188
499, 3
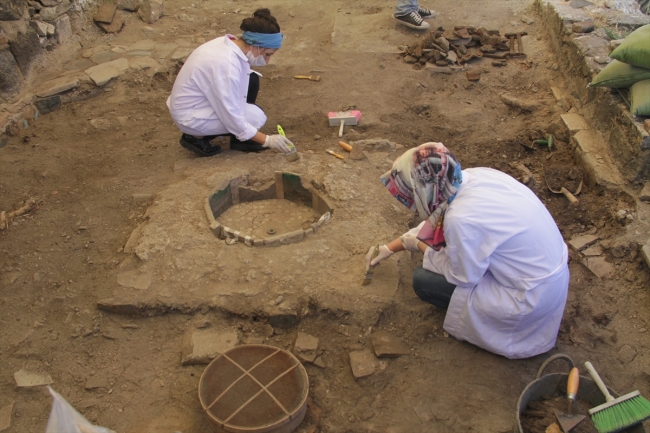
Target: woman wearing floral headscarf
493, 256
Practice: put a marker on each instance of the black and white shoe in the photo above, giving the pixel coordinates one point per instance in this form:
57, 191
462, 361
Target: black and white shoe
412, 20
200, 145
426, 14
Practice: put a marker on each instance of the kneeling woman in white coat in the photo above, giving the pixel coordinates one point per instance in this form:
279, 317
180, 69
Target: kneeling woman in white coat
215, 90
493, 256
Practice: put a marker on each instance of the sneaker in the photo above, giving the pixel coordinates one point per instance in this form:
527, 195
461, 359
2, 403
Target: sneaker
246, 146
201, 146
426, 14
412, 20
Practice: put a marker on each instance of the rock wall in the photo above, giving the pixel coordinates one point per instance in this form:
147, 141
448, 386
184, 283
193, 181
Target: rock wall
29, 28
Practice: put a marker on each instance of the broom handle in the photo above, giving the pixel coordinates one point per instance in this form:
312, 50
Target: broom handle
598, 380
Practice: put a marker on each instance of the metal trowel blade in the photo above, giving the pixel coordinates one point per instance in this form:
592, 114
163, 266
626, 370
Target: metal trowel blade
568, 422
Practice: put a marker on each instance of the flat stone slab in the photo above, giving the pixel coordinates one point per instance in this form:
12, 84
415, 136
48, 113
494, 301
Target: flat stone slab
574, 122
388, 346
102, 74
592, 251
579, 243
592, 150
305, 347
143, 45
599, 266
363, 363
135, 279
57, 85
28, 379
203, 345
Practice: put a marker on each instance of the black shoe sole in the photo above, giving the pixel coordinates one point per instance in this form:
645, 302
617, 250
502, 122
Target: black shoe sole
245, 147
201, 152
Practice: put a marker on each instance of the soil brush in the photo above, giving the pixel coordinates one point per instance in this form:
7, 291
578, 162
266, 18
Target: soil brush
618, 413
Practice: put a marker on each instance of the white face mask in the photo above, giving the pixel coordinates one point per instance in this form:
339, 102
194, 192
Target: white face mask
255, 61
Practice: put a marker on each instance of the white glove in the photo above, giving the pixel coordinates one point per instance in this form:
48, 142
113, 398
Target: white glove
410, 242
278, 142
384, 253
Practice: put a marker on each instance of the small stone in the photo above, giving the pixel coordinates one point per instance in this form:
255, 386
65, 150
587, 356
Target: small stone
102, 74
522, 105
387, 346
105, 13
27, 379
305, 347
267, 330
473, 75
363, 363
527, 20
202, 346
626, 354
151, 10
318, 362
101, 124
128, 5
579, 243
116, 25
317, 137
5, 416
410, 60
646, 124
583, 27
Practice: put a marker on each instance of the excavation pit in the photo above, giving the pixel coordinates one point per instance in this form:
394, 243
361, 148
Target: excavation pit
280, 212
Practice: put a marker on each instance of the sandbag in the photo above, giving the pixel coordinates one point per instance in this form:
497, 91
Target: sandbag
640, 98
620, 75
635, 49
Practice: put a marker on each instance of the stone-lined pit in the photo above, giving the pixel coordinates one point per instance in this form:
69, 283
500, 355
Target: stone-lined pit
280, 212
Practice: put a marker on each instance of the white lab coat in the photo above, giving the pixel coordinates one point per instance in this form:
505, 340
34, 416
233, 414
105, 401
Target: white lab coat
508, 261
209, 94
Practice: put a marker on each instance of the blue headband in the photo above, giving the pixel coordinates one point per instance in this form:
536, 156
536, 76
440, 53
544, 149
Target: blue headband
263, 40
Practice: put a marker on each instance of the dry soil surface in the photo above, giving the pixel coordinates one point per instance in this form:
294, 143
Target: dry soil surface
124, 372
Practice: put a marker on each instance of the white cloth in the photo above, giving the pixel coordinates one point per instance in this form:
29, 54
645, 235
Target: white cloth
508, 261
209, 94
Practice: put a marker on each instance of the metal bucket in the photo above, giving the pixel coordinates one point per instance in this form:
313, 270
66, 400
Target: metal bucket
555, 384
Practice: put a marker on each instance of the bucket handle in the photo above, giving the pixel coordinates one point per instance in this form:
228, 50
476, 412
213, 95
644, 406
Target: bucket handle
551, 359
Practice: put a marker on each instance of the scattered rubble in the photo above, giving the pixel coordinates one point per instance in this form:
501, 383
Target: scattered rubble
444, 48
305, 347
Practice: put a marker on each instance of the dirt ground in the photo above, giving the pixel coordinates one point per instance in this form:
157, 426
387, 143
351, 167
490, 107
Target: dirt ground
124, 372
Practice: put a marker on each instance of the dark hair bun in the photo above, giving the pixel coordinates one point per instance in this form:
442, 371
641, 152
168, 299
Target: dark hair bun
261, 22
262, 13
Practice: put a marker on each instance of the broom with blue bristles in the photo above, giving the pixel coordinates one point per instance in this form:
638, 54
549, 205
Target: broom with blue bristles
618, 413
